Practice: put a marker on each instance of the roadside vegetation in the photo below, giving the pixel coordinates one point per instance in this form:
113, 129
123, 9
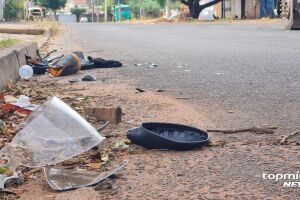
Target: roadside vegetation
5, 43
13, 9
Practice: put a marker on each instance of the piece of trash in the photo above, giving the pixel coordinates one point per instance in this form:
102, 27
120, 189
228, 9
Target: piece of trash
64, 179
26, 72
101, 63
6, 181
69, 64
160, 90
85, 62
89, 77
24, 102
120, 145
153, 65
53, 133
168, 136
10, 99
74, 80
138, 64
187, 70
179, 66
174, 14
140, 90
113, 115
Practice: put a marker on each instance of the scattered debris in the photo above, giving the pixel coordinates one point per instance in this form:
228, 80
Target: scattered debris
52, 134
174, 14
24, 102
6, 180
85, 62
69, 64
187, 70
256, 130
140, 90
120, 145
64, 179
286, 137
76, 80
89, 77
113, 115
101, 63
160, 90
26, 72
149, 65
168, 136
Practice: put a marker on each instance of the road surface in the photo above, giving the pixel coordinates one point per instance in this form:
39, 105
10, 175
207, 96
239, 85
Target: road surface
235, 76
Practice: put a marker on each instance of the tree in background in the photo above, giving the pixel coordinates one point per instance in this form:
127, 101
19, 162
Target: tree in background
150, 8
54, 5
13, 9
78, 12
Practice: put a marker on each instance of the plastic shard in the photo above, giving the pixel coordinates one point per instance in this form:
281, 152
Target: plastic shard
51, 134
66, 179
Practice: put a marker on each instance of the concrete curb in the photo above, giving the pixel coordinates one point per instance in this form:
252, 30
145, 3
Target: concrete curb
12, 59
23, 31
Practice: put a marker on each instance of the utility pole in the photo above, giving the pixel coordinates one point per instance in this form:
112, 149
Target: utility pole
140, 1
93, 11
168, 9
105, 10
120, 11
2, 2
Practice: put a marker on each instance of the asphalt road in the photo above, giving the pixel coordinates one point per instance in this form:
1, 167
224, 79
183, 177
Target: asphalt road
237, 74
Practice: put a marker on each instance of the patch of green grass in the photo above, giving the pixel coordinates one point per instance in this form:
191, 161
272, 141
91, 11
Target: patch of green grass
5, 43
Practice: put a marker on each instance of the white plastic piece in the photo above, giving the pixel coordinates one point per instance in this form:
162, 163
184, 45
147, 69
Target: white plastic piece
26, 72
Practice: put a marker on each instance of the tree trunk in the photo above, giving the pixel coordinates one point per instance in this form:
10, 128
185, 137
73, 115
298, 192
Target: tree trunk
55, 15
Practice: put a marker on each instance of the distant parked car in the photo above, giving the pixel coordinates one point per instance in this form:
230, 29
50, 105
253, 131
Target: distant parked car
83, 19
34, 13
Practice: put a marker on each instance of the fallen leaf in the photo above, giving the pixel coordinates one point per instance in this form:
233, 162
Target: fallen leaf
120, 145
3, 169
105, 157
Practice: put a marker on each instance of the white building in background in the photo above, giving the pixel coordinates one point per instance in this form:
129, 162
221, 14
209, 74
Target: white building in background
1, 9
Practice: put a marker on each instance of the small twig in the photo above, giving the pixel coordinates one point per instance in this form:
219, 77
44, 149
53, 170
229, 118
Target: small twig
286, 137
183, 98
256, 130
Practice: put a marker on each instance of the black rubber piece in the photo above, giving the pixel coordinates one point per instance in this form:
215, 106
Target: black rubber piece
39, 69
101, 63
168, 136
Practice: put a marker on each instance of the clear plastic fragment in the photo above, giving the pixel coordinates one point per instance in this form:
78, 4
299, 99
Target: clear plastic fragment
51, 134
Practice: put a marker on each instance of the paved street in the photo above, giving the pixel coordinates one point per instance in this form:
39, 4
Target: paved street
237, 74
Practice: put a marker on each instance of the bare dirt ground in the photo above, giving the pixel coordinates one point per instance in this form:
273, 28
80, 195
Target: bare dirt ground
230, 168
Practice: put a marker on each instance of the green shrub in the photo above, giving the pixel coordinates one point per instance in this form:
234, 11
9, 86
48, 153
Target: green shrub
13, 9
150, 8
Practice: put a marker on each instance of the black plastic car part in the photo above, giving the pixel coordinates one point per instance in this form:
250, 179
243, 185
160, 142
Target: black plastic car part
156, 135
